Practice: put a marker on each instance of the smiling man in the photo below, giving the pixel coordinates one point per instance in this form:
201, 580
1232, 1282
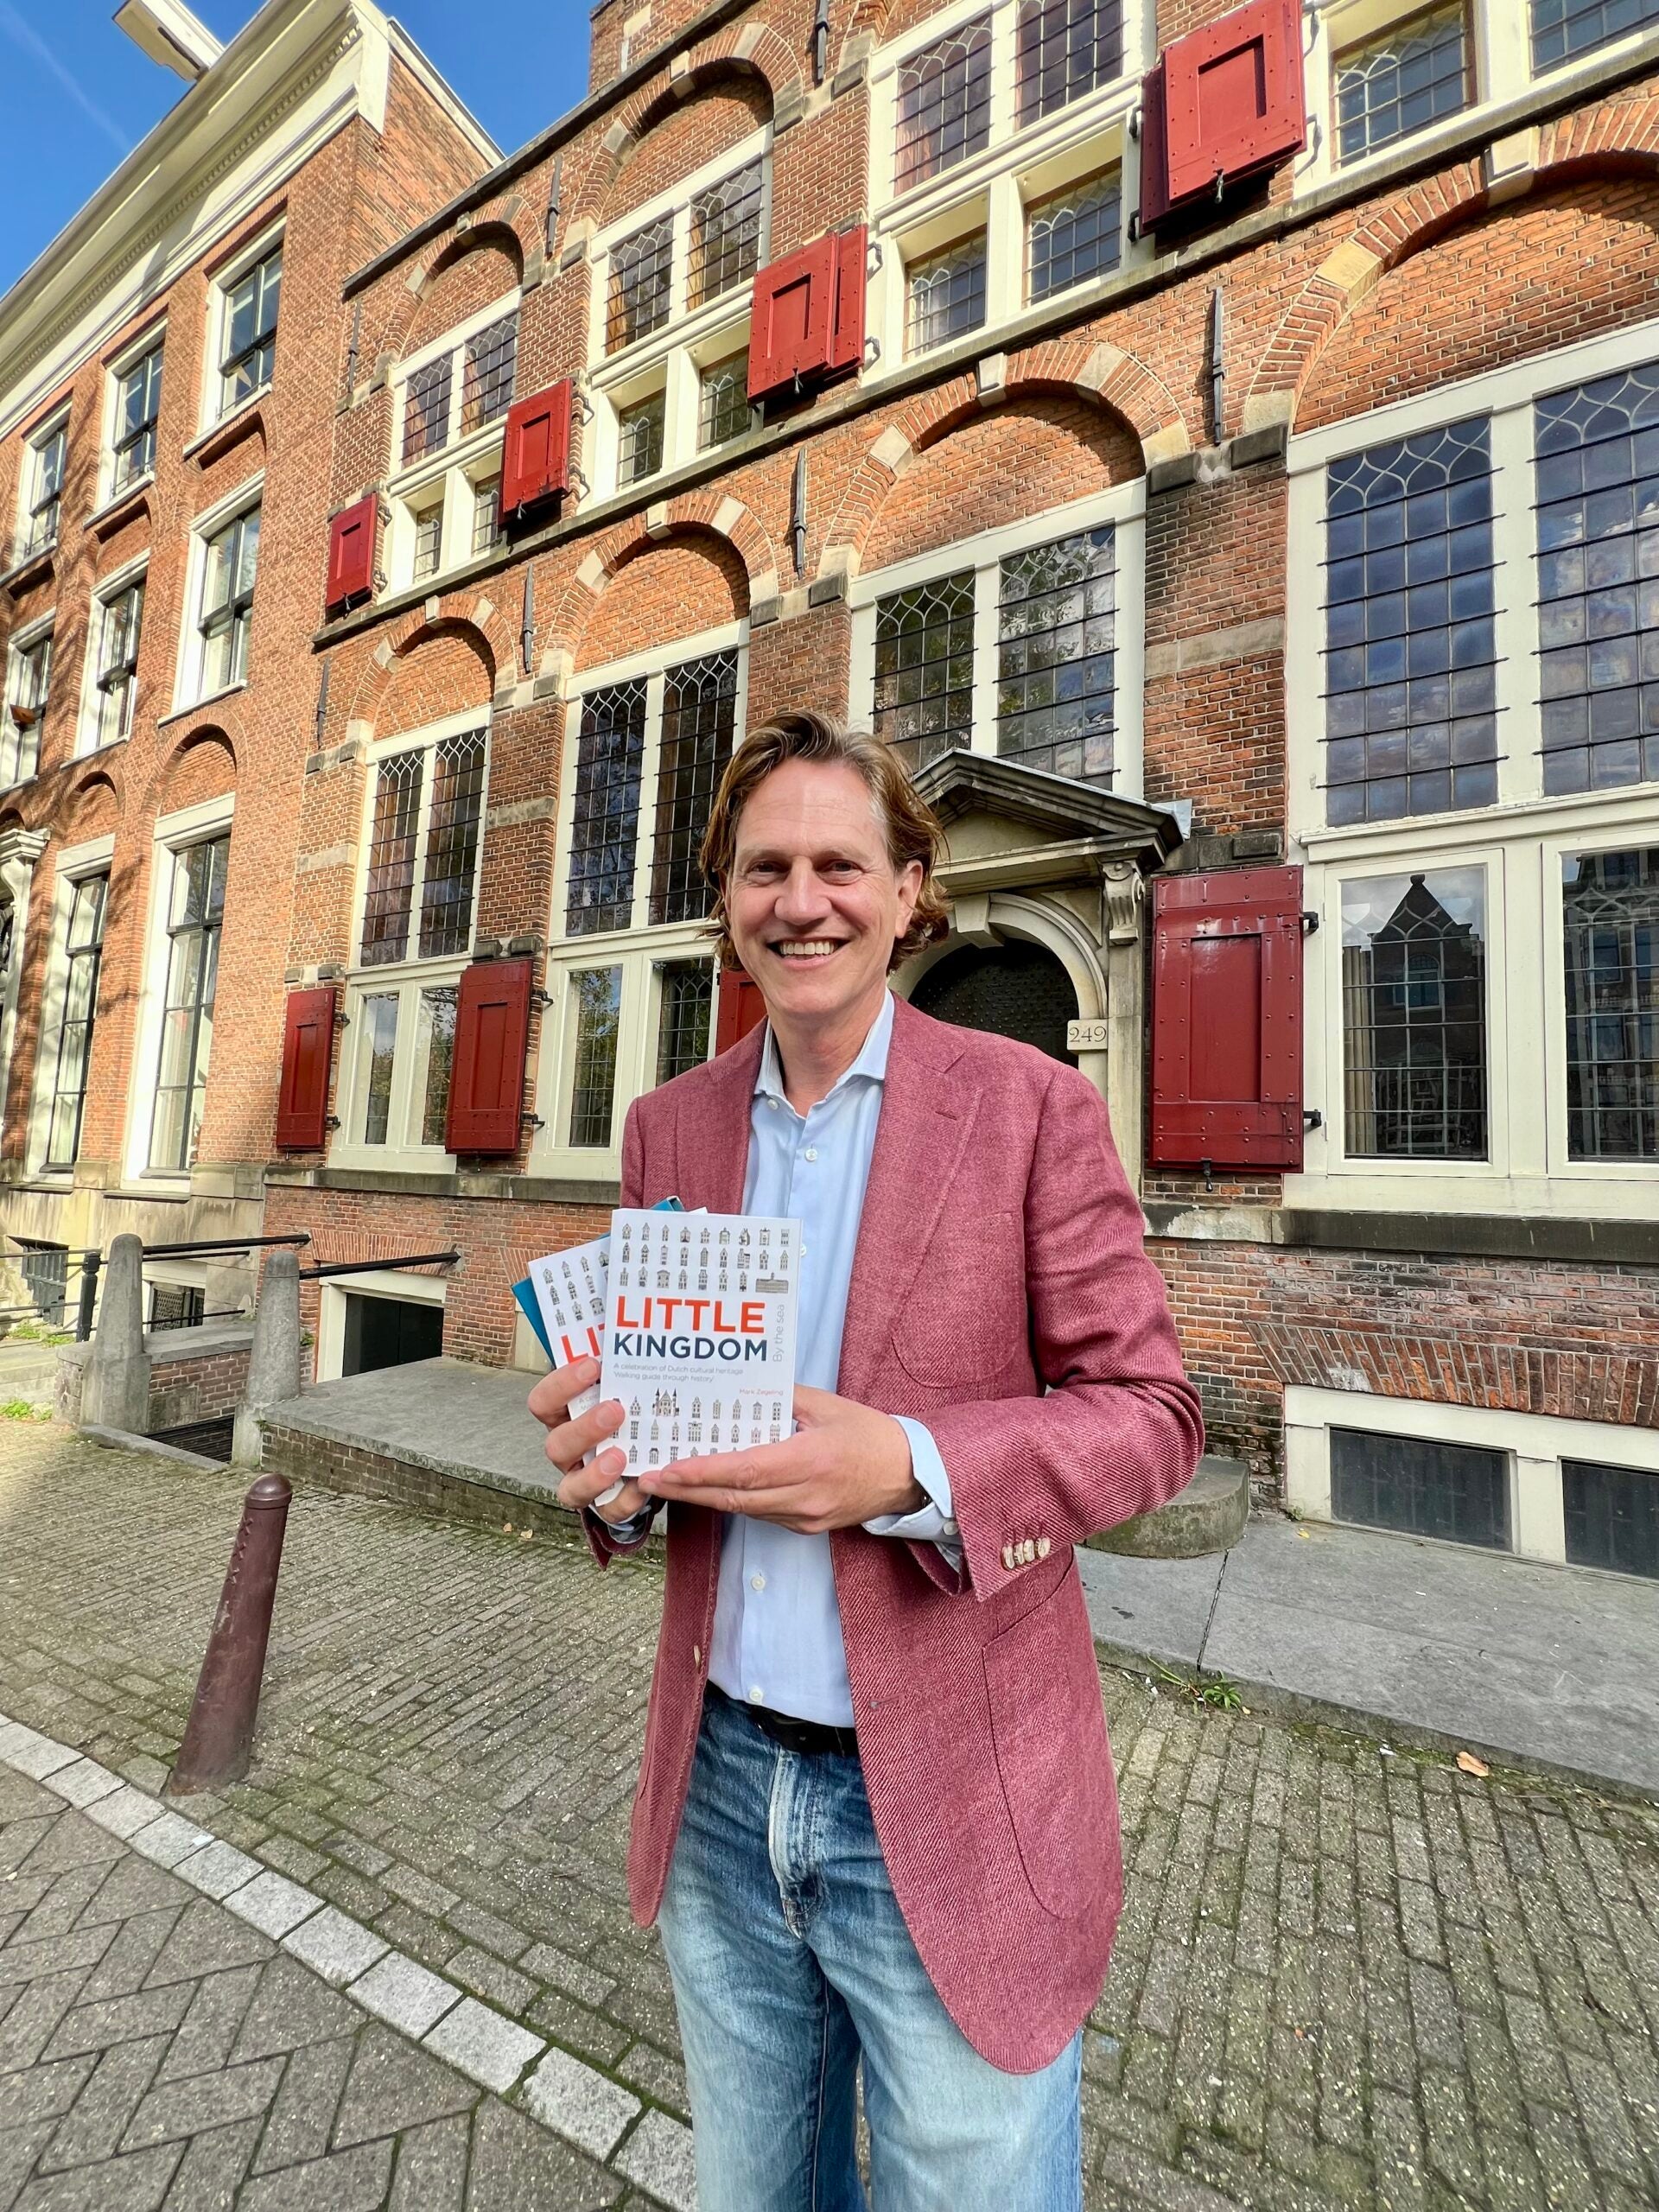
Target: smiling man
876, 1819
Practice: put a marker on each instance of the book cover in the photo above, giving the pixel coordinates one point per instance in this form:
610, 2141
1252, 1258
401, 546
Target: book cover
700, 1333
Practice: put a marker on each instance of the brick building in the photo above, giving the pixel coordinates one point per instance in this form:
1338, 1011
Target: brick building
1217, 445
168, 373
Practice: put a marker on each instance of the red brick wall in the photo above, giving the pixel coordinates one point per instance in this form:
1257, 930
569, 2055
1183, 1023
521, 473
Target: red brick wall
672, 592
464, 287
684, 135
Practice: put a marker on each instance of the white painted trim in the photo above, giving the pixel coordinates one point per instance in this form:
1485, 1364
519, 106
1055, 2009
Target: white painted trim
214, 408
385, 1282
94, 857
190, 651
187, 825
106, 590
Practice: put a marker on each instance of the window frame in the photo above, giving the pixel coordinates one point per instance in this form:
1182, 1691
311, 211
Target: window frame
89, 733
217, 406
74, 866
25, 641
190, 668
31, 504
1401, 26
112, 484
449, 474
174, 834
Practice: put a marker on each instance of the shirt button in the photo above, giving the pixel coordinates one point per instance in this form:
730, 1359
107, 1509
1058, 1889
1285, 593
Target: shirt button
811, 1153
757, 1582
755, 1693
772, 1105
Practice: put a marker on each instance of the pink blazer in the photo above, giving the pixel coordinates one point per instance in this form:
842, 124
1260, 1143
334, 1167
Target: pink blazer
1001, 1293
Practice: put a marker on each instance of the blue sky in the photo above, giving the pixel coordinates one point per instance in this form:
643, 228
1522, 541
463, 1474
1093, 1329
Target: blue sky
76, 95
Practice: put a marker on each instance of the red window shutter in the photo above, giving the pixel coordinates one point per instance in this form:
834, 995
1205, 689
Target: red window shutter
789, 318
308, 1054
1227, 1019
487, 1071
1233, 98
846, 321
740, 1006
1154, 153
535, 451
350, 552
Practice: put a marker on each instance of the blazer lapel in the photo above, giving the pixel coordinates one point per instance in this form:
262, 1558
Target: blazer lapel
711, 1143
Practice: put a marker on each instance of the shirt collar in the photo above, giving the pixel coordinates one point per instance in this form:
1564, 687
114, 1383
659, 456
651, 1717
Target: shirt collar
871, 1064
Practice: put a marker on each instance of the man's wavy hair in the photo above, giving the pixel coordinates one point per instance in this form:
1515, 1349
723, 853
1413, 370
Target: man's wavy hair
912, 828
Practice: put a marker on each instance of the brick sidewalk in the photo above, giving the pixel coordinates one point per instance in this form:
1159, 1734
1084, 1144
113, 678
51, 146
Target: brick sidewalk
1343, 1979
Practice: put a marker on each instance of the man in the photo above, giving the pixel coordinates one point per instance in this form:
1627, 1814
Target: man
876, 1816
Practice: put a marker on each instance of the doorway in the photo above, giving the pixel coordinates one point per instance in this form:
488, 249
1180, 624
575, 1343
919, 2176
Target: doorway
388, 1332
1014, 989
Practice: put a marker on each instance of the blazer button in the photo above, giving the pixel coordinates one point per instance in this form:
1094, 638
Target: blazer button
1043, 1547
1008, 1557
697, 1654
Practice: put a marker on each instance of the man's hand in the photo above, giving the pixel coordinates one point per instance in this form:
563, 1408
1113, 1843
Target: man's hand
569, 1441
847, 1465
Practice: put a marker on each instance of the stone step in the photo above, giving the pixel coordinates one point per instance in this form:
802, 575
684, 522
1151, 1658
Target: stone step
1208, 1516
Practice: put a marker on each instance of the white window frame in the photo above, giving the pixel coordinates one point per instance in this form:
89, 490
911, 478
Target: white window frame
174, 834
215, 407
379, 1283
672, 359
21, 641
74, 864
35, 446
20, 850
154, 340
192, 655
1124, 508
171, 1275
639, 950
451, 474
1520, 839
1534, 1443
89, 736
404, 979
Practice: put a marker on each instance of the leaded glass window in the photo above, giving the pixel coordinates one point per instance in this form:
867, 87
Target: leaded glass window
249, 353
423, 850
28, 681
233, 561
427, 398
725, 248
377, 1011
1072, 236
945, 295
1064, 49
451, 859
610, 755
436, 1043
120, 621
924, 668
83, 951
639, 431
1562, 30
1400, 82
137, 409
1598, 485
195, 915
597, 996
699, 716
641, 267
1411, 653
429, 541
684, 1010
723, 401
1057, 657
1610, 916
486, 515
46, 458
487, 377
1413, 1016
394, 836
945, 104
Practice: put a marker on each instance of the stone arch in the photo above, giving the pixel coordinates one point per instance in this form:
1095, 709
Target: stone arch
1039, 921
201, 765
1605, 144
469, 270
1121, 389
747, 559
436, 664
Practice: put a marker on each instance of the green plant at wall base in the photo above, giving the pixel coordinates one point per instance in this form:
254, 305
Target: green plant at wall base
1214, 1690
21, 1409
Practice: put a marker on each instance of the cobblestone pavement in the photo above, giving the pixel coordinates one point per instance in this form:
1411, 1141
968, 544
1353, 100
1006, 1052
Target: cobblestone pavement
1345, 1979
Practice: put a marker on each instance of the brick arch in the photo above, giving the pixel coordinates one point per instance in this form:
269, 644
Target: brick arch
1607, 142
491, 234
431, 664
747, 550
1101, 376
201, 765
94, 807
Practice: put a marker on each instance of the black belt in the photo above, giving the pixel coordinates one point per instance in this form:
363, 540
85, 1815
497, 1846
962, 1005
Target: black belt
811, 1738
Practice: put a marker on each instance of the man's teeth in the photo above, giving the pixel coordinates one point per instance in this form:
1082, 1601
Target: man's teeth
812, 948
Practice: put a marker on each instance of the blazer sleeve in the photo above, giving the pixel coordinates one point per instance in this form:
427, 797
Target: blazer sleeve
600, 1540
1119, 1428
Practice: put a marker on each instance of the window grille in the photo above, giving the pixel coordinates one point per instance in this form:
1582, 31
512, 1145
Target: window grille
1597, 484
945, 104
1073, 236
196, 911
486, 515
725, 249
27, 690
228, 602
641, 267
1414, 1013
45, 1271
452, 829
1410, 662
176, 1305
699, 716
47, 465
946, 295
639, 431
379, 1018
610, 755
487, 379
1064, 49
1401, 83
121, 620
426, 407
1056, 655
686, 1005
598, 993
429, 541
1611, 962
1562, 30
924, 669
1459, 1492
137, 409
83, 948
1612, 1516
249, 350
438, 1043
393, 839
723, 401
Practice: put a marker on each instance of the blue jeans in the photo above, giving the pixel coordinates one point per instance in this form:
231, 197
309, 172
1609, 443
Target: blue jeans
791, 1963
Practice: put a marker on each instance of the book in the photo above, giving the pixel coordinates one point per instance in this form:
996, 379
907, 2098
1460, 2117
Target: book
700, 1333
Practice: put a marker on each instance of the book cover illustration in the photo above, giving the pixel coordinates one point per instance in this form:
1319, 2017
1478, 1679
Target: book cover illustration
700, 1333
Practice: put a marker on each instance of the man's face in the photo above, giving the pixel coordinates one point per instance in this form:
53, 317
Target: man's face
814, 904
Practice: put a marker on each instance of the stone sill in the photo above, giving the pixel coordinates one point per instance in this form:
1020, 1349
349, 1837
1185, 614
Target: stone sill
1472, 1235
532, 1189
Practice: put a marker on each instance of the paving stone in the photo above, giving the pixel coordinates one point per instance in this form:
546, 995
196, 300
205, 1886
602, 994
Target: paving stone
515, 2165
205, 1939
273, 1904
290, 2008
212, 2168
658, 2155
200, 2101
168, 1839
400, 1991
490, 2050
83, 1782
574, 2101
337, 1949
124, 1812
135, 2183
42, 2092
104, 2108
348, 2181
218, 1870
119, 2019
302, 2117
209, 2028
392, 2087
34, 1755
489, 1978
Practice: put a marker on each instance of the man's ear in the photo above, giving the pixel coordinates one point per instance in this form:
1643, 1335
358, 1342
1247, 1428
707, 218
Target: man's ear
910, 890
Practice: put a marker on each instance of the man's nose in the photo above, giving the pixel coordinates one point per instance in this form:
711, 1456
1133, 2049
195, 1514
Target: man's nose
801, 898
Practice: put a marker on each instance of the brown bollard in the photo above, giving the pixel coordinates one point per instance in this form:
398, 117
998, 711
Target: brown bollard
219, 1735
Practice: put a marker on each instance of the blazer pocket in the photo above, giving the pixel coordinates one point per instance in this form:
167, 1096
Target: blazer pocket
1049, 1728
964, 1320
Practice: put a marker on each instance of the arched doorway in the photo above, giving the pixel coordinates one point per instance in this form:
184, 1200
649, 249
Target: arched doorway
1015, 989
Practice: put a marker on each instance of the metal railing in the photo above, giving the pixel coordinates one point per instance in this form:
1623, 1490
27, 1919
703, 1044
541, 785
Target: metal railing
87, 1265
